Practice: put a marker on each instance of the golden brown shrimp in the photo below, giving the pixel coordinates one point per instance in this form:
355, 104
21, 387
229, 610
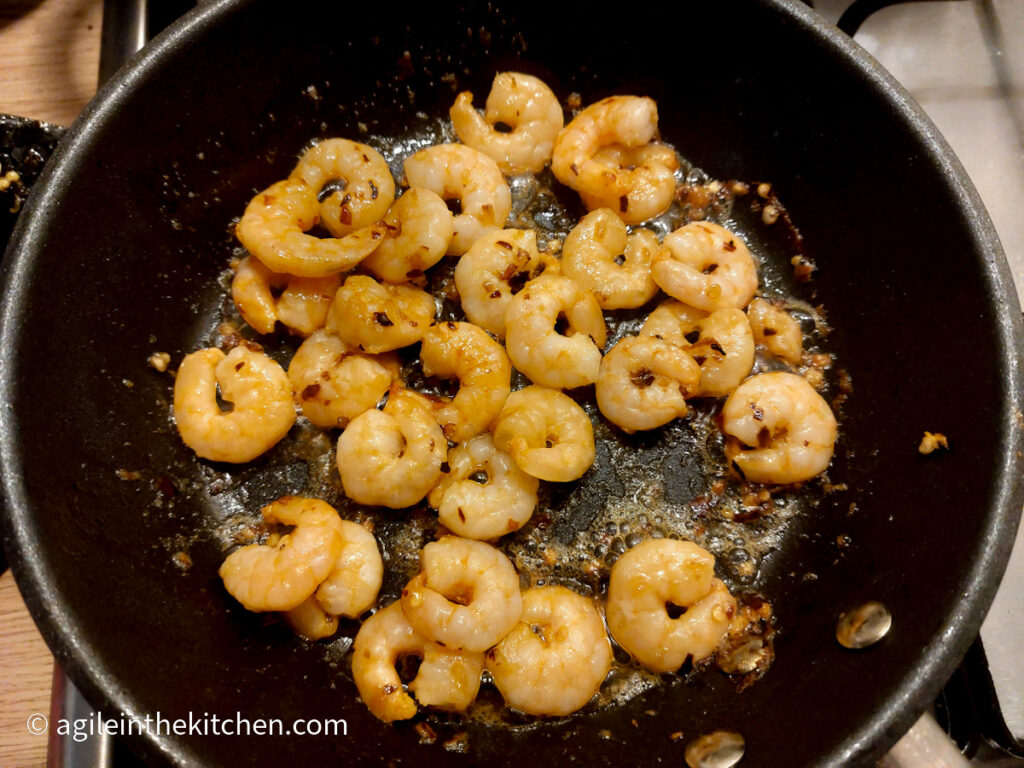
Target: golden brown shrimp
721, 342
468, 353
351, 587
556, 657
458, 172
378, 317
776, 330
392, 458
368, 188
258, 390
521, 102
445, 679
301, 305
644, 383
662, 575
778, 429
466, 595
549, 356
274, 226
547, 434
493, 270
638, 192
281, 577
706, 266
419, 228
333, 382
591, 256
484, 494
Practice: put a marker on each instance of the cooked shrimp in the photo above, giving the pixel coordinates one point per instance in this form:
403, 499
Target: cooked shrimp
644, 382
547, 434
721, 342
458, 172
650, 583
706, 266
520, 102
468, 353
351, 587
378, 317
776, 330
367, 187
301, 305
419, 228
274, 225
392, 458
778, 429
600, 255
445, 679
544, 352
650, 162
636, 192
281, 577
484, 494
333, 382
493, 270
258, 390
309, 620
556, 657
466, 595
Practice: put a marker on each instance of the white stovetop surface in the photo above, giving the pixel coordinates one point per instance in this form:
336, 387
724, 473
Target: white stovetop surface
964, 64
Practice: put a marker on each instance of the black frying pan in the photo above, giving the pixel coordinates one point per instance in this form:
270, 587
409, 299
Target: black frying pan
119, 253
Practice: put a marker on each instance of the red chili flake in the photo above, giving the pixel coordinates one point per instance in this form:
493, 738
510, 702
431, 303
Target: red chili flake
730, 246
624, 203
310, 392
382, 319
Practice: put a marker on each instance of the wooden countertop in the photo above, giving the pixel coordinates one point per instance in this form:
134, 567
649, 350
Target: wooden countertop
49, 57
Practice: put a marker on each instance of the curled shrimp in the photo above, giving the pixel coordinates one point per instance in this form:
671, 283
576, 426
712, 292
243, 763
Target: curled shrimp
721, 342
458, 172
493, 270
301, 305
544, 352
637, 192
776, 330
484, 494
418, 229
466, 595
644, 382
281, 577
600, 255
706, 266
468, 353
392, 458
333, 382
351, 587
547, 434
778, 429
653, 581
521, 102
446, 679
274, 226
556, 657
258, 390
367, 186
378, 317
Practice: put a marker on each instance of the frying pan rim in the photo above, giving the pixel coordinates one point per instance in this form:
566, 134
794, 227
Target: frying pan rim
870, 737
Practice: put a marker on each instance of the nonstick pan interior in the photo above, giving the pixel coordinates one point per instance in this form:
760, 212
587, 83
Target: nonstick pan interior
120, 253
